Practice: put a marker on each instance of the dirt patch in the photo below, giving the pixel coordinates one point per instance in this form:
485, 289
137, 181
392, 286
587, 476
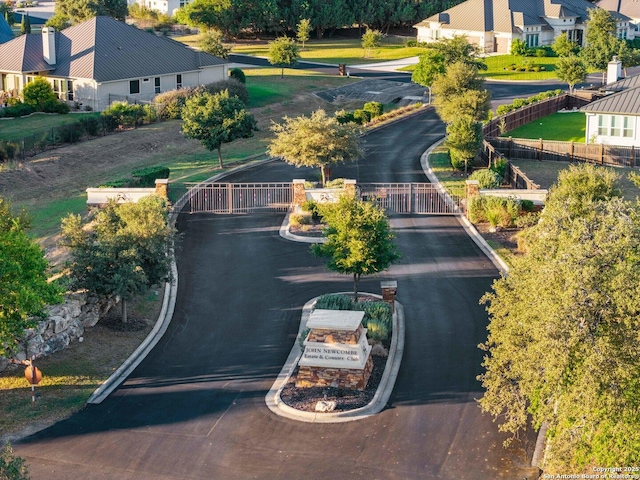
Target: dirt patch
507, 237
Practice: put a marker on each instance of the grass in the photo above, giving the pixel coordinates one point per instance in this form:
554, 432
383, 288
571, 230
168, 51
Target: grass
16, 129
451, 179
496, 67
348, 51
502, 251
565, 127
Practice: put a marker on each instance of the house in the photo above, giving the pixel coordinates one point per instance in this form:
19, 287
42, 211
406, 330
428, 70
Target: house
614, 119
101, 60
630, 9
6, 33
168, 7
493, 24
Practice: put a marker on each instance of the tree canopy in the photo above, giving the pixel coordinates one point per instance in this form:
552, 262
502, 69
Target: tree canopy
601, 41
303, 30
563, 344
371, 39
215, 119
207, 14
123, 252
429, 66
24, 289
39, 93
359, 238
316, 141
81, 10
211, 42
283, 52
571, 69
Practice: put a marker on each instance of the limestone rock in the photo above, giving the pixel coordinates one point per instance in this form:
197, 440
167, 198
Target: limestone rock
56, 343
325, 406
60, 323
379, 351
4, 363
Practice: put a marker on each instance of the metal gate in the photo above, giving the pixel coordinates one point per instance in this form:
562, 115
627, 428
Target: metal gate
239, 197
424, 198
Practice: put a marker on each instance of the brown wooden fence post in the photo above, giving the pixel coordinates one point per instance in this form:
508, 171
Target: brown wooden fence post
633, 156
601, 154
540, 150
572, 152
510, 146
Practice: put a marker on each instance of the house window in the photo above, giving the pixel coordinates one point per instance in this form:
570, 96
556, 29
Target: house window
29, 79
69, 90
602, 125
134, 86
532, 40
156, 81
435, 34
627, 128
616, 125
16, 82
178, 81
4, 82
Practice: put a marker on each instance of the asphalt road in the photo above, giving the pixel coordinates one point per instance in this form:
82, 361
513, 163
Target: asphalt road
194, 409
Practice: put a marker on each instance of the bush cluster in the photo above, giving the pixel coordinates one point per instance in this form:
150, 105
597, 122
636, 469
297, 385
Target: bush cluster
521, 102
486, 178
377, 315
140, 178
368, 112
525, 68
498, 211
169, 104
124, 114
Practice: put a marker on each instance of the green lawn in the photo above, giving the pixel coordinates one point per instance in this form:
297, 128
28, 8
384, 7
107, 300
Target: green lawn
450, 178
14, 129
347, 51
565, 127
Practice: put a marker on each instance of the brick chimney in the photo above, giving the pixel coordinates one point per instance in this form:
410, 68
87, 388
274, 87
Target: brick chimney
49, 45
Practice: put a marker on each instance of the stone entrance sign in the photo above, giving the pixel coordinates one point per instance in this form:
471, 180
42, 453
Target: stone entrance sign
336, 351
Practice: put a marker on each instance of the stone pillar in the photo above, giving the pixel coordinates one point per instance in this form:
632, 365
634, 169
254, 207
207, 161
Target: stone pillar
162, 187
472, 190
299, 195
349, 187
389, 290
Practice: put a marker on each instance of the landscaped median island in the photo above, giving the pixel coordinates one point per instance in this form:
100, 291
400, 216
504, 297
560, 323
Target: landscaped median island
345, 362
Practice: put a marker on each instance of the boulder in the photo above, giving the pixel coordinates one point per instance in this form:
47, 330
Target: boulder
60, 323
56, 343
325, 406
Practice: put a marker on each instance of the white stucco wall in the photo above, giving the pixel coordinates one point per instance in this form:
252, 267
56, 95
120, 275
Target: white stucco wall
591, 132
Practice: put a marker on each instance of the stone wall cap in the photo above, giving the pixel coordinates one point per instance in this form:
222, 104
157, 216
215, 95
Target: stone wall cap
389, 284
335, 319
162, 181
472, 182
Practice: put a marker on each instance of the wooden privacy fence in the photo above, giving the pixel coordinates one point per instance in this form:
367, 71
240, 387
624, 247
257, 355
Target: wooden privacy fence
530, 113
513, 175
524, 149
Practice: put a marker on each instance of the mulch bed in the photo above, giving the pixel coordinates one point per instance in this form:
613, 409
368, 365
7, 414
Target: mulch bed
314, 231
305, 399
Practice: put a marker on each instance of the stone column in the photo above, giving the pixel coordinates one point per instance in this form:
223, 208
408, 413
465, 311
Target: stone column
472, 190
349, 187
299, 195
162, 187
389, 290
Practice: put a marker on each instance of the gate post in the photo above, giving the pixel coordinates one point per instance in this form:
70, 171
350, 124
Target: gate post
162, 187
299, 195
349, 187
472, 190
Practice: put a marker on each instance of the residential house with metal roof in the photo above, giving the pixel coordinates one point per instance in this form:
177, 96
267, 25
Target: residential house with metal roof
615, 118
6, 33
628, 8
493, 24
101, 60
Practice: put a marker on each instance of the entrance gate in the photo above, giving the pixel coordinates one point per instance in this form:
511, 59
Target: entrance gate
239, 197
424, 198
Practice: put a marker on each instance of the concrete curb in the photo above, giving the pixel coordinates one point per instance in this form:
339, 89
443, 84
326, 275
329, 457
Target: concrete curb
381, 397
287, 235
466, 224
168, 306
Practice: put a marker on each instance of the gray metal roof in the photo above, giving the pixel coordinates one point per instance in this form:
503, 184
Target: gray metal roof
23, 55
624, 84
508, 15
6, 33
107, 50
625, 102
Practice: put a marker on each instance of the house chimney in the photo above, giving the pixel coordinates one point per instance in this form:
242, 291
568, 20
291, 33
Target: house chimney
614, 70
49, 45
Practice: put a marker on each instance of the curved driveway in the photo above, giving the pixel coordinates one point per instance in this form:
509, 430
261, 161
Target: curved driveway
194, 408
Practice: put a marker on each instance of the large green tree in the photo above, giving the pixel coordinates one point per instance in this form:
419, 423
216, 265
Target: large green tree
211, 42
303, 30
429, 66
359, 238
316, 141
207, 14
464, 138
283, 52
215, 119
24, 289
125, 250
371, 39
564, 337
601, 41
457, 49
460, 91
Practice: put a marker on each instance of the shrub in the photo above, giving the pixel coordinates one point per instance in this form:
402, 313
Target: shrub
169, 104
504, 109
55, 106
486, 178
238, 75
150, 114
116, 184
500, 167
18, 110
361, 116
527, 220
344, 116
411, 43
475, 209
527, 205
234, 87
8, 150
377, 330
540, 52
311, 207
125, 114
38, 93
335, 183
303, 218
334, 302
146, 177
374, 109
70, 133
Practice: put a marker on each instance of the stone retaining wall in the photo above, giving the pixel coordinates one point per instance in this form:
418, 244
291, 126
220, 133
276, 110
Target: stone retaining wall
334, 377
65, 323
324, 335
